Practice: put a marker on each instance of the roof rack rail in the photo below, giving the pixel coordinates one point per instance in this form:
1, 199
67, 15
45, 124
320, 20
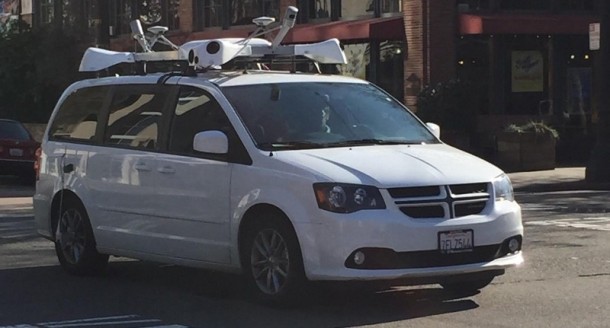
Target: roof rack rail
205, 54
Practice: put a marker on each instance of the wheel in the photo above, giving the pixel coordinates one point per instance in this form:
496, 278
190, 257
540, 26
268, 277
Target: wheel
467, 286
74, 241
272, 261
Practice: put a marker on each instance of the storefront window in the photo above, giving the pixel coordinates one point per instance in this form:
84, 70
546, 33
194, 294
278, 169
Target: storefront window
160, 12
390, 70
576, 5
208, 13
47, 12
149, 12
358, 59
319, 9
525, 4
244, 11
120, 16
391, 6
473, 5
357, 8
473, 53
72, 13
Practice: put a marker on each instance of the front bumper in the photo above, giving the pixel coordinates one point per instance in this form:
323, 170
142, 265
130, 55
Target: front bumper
329, 243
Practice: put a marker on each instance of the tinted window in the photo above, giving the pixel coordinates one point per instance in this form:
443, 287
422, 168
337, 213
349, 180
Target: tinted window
78, 115
13, 131
196, 111
134, 117
287, 115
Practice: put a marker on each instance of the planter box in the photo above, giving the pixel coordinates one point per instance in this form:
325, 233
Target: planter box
525, 151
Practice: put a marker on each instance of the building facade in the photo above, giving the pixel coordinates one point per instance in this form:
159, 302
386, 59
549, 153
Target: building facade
523, 59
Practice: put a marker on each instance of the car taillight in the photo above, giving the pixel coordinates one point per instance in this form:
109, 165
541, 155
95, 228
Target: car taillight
38, 153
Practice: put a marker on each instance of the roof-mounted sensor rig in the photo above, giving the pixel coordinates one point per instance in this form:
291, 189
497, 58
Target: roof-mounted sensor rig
213, 53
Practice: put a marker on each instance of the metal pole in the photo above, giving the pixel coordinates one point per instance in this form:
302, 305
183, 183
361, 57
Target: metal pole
598, 168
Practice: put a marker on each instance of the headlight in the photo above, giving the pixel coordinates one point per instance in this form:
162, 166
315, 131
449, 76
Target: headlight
347, 198
503, 188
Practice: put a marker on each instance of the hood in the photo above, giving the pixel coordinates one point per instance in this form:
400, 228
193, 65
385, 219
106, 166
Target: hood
392, 165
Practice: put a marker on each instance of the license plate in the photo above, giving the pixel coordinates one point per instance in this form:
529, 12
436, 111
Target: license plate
458, 241
16, 152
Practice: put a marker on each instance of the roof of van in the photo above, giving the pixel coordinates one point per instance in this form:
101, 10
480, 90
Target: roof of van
226, 78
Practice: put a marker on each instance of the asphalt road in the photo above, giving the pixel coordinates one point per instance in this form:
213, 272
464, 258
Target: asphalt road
564, 283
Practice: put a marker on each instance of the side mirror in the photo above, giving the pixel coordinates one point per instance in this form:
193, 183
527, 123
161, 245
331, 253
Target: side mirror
212, 142
435, 129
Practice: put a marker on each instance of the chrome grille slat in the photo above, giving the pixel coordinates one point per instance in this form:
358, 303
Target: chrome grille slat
446, 201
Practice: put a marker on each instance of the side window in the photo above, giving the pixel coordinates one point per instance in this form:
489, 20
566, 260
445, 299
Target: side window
196, 111
78, 115
134, 117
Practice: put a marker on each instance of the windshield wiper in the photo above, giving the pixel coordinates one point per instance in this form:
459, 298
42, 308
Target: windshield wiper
289, 145
373, 142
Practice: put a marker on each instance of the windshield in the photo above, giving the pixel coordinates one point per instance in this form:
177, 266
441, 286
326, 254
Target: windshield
316, 115
13, 131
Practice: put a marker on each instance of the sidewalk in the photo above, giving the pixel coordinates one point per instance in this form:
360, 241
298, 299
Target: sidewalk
15, 204
559, 179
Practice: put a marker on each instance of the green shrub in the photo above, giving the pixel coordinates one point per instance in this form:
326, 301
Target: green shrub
540, 128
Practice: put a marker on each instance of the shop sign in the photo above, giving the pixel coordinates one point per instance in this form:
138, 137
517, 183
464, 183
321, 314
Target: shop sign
594, 34
527, 71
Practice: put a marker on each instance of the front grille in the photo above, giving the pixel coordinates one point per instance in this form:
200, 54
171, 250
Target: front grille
423, 211
448, 201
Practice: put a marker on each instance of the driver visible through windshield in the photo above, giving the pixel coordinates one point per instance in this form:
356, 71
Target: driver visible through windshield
316, 115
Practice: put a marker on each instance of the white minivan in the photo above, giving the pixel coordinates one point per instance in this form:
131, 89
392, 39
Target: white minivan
286, 177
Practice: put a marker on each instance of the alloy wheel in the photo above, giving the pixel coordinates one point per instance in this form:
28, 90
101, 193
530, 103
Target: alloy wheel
270, 261
71, 235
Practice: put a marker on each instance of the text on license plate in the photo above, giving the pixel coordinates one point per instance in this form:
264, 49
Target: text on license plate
16, 152
455, 241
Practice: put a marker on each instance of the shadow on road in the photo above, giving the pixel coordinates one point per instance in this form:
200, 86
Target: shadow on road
197, 298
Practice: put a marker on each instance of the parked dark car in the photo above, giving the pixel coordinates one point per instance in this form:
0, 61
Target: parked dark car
17, 151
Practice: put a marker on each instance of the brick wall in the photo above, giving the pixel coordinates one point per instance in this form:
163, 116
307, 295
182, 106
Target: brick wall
430, 27
186, 16
442, 33
414, 20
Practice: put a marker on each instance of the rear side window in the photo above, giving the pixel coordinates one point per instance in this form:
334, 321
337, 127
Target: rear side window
13, 131
78, 115
134, 117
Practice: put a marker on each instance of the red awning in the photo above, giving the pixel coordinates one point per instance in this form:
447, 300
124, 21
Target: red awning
385, 28
525, 24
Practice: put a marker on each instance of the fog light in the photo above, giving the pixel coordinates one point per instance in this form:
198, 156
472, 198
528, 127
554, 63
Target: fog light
359, 258
513, 245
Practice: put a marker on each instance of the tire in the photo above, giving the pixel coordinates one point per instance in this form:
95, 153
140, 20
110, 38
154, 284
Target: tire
272, 261
75, 243
467, 286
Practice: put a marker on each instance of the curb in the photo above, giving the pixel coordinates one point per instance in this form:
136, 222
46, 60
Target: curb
562, 186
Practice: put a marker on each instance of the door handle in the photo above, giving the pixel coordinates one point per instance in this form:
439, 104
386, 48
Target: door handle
141, 167
166, 170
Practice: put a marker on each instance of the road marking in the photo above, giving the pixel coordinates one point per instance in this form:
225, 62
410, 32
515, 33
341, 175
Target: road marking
114, 321
592, 223
17, 226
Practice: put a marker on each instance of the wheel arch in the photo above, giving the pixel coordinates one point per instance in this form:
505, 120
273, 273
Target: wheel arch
62, 196
251, 217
